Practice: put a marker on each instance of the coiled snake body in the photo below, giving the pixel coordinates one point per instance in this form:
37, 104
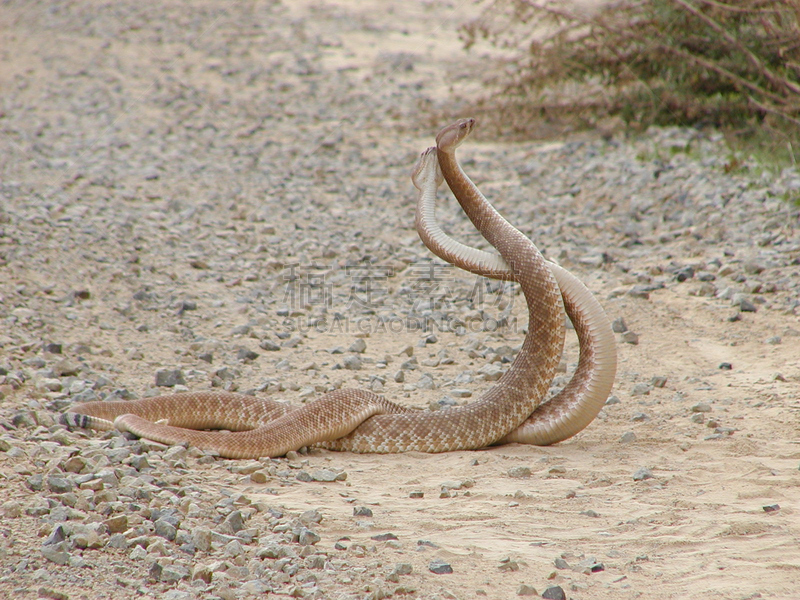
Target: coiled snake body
360, 421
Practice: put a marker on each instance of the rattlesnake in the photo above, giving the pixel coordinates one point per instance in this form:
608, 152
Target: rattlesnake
358, 420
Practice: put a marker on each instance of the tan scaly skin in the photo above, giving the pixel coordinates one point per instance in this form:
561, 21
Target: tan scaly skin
375, 425
574, 407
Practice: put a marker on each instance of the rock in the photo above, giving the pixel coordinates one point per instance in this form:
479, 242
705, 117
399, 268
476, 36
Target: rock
507, 565
560, 563
361, 511
292, 342
490, 372
327, 475
684, 273
272, 550
49, 385
233, 523
139, 462
352, 362
772, 508
641, 389
118, 541
619, 326
67, 368
87, 537
590, 565
56, 554
642, 473
169, 378
440, 567
310, 516
629, 337
403, 569
640, 291
554, 592
172, 573
359, 346
12, 509
202, 537
752, 267
269, 345
258, 477
233, 549
628, 437
246, 355
307, 537
165, 529
519, 472
74, 464
425, 382
701, 407
59, 485
526, 590
744, 304
658, 381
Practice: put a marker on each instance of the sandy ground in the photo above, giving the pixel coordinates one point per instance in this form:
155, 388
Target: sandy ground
155, 157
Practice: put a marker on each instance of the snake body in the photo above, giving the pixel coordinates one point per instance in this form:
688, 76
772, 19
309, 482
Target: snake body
360, 421
579, 402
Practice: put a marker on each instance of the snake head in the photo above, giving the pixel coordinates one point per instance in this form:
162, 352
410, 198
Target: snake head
426, 171
451, 136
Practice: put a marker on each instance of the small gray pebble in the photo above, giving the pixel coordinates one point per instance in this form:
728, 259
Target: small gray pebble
169, 378
658, 381
440, 567
359, 346
519, 472
352, 362
246, 355
269, 346
629, 337
554, 592
307, 537
165, 529
59, 485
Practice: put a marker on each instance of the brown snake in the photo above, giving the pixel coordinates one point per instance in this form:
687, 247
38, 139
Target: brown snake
577, 404
361, 421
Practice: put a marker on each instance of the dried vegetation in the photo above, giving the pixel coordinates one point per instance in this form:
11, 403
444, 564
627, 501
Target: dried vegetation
734, 65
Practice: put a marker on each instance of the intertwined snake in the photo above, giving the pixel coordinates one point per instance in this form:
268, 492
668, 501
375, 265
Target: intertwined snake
360, 421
